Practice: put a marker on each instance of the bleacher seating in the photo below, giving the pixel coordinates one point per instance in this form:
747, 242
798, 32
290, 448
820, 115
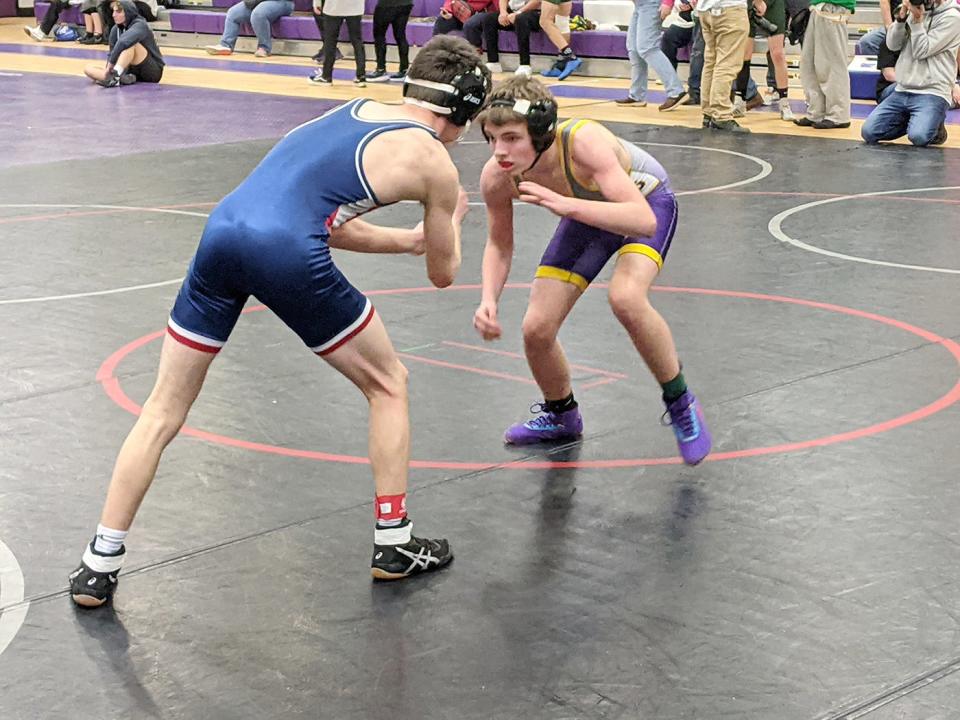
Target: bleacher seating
301, 26
605, 44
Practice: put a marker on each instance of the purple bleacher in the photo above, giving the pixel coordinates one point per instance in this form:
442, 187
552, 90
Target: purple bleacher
431, 8
421, 8
70, 15
590, 43
8, 8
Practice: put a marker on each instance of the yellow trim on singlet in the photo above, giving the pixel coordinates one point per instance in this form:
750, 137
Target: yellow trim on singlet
641, 249
554, 273
579, 188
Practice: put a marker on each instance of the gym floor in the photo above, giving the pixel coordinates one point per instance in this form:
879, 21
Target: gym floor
806, 571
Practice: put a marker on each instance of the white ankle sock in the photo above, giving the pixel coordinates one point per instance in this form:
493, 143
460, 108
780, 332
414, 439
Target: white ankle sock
393, 536
119, 69
108, 540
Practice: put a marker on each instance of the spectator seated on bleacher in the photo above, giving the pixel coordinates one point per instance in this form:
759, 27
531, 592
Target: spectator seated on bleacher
926, 75
261, 14
147, 8
93, 25
465, 15
886, 64
519, 16
871, 43
134, 55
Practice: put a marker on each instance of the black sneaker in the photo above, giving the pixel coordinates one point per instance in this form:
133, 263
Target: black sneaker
93, 583
398, 76
91, 39
111, 80
378, 75
729, 126
419, 555
128, 79
318, 79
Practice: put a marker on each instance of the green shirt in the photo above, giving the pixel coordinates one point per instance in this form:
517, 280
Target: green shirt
848, 4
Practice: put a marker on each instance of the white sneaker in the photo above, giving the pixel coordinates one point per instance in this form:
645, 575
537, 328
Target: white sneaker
494, 67
218, 50
35, 32
739, 107
786, 112
523, 70
770, 98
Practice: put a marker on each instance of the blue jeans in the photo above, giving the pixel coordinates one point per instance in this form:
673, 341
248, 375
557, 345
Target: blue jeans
261, 18
643, 47
916, 115
870, 43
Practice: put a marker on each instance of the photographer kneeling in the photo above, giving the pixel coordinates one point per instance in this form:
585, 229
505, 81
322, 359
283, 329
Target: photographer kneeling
927, 35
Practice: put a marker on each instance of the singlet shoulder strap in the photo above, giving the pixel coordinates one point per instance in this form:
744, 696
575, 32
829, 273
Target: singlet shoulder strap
565, 132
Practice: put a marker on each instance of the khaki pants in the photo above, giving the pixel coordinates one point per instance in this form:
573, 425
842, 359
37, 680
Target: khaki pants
724, 37
823, 64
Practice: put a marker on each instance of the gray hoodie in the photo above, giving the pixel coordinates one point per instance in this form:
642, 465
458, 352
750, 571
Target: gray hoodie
928, 57
134, 30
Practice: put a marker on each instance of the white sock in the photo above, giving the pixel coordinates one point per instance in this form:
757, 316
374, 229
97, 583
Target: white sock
393, 536
108, 540
119, 69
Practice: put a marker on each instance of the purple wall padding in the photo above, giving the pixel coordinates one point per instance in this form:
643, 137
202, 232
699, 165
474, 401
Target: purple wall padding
70, 15
8, 8
863, 84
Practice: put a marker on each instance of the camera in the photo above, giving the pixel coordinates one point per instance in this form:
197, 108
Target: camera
925, 4
768, 27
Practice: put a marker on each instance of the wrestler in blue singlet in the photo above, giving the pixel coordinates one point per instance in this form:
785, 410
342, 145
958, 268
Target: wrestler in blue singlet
268, 238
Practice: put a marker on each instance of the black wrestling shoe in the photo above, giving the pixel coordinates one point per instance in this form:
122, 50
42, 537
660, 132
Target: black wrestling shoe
417, 555
94, 582
111, 80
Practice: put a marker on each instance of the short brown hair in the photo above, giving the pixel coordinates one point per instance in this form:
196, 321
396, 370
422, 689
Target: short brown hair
516, 88
441, 60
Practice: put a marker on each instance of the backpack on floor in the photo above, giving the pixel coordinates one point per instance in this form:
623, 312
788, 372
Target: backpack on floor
65, 33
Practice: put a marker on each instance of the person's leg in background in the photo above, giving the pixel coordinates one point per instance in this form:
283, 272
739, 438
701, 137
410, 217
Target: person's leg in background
263, 17
888, 121
696, 64
381, 21
354, 31
524, 25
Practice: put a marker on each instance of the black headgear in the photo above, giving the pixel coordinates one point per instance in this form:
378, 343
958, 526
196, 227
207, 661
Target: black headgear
541, 117
463, 97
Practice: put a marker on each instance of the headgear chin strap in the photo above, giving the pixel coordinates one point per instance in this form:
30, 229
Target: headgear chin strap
541, 117
463, 96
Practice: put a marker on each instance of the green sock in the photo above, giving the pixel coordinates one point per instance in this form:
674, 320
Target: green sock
672, 389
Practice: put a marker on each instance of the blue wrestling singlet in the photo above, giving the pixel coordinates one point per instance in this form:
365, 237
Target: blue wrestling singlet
268, 238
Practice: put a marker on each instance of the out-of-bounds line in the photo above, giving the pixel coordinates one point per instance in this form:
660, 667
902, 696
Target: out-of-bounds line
94, 293
775, 228
765, 167
919, 682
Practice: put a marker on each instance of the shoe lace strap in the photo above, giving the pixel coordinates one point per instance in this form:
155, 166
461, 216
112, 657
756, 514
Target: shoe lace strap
683, 419
545, 419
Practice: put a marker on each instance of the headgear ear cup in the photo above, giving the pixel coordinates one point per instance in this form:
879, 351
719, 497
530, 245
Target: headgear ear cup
463, 97
470, 92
